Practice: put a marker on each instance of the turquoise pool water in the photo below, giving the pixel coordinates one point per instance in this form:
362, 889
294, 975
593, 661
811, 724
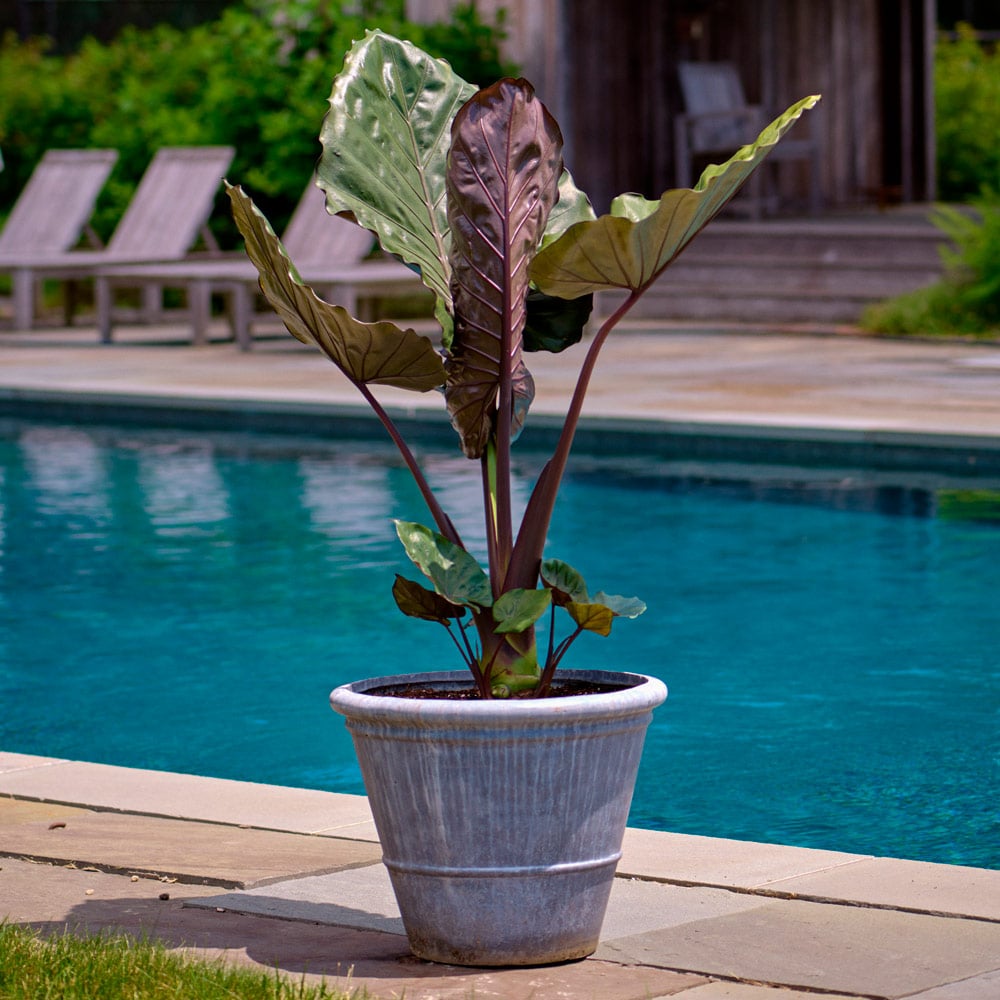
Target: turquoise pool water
831, 643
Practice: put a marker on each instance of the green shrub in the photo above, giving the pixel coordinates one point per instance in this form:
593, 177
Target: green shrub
967, 115
257, 78
967, 300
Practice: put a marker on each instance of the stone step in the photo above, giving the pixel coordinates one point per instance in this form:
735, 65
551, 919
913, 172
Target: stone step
858, 278
799, 270
763, 306
913, 241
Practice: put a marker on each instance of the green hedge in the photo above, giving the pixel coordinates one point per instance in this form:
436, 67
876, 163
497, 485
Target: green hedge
258, 78
967, 115
967, 300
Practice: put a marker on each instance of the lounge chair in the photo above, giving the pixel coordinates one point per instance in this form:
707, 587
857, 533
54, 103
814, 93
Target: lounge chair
51, 215
169, 209
328, 251
718, 120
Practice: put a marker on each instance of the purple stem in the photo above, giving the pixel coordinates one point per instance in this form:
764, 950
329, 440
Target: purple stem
527, 553
441, 519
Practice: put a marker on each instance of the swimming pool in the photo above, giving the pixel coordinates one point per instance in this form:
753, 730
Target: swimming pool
831, 642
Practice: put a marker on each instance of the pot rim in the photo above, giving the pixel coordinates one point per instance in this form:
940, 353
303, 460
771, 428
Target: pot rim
642, 694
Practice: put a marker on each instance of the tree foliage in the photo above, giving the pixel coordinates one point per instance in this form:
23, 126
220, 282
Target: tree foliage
255, 78
967, 120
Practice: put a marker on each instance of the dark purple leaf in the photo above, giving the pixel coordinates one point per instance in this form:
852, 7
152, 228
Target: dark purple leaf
503, 176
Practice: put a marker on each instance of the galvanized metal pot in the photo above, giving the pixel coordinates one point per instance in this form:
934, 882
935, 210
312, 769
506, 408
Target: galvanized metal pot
501, 822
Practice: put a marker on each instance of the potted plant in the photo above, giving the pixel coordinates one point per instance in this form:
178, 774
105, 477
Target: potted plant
500, 792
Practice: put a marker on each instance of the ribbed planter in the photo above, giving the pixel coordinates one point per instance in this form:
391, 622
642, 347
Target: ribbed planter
501, 822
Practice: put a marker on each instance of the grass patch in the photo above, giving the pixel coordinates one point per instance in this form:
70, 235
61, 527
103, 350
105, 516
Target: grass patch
116, 967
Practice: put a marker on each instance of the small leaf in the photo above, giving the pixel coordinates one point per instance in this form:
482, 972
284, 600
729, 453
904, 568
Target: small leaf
385, 149
517, 610
419, 602
621, 607
592, 617
367, 353
566, 583
455, 574
632, 246
597, 614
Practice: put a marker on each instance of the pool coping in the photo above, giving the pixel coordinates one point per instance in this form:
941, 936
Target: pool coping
971, 456
771, 870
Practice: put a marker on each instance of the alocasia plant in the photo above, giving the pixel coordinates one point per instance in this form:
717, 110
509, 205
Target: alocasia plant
468, 188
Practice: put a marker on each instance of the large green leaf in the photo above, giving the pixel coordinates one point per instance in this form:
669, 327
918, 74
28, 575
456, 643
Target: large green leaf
385, 147
367, 353
503, 177
455, 574
631, 247
572, 207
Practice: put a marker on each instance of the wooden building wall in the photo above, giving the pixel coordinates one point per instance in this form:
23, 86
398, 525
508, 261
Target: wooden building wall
608, 71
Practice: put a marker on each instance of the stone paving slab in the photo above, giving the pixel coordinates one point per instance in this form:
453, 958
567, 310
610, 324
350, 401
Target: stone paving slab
916, 885
744, 991
188, 851
717, 861
820, 946
51, 899
363, 898
186, 796
985, 987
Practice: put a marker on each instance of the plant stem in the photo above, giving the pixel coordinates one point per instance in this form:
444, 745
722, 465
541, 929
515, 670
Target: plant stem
527, 552
489, 471
554, 660
462, 651
441, 519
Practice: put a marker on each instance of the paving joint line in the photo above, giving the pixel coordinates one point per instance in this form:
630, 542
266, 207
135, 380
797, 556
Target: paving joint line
809, 898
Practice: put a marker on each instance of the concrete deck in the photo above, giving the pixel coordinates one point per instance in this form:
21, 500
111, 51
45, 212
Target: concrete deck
287, 878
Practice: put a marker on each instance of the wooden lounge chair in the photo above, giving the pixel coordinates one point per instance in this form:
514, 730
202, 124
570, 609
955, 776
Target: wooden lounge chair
718, 121
51, 215
328, 251
169, 209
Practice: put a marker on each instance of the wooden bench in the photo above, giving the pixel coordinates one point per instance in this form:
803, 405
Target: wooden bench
328, 252
51, 215
164, 218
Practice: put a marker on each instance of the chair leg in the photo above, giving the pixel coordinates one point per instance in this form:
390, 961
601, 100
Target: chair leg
71, 296
104, 304
682, 155
199, 294
152, 302
241, 308
24, 299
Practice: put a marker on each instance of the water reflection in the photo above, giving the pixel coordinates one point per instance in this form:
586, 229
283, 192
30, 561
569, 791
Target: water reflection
183, 492
347, 498
68, 474
457, 483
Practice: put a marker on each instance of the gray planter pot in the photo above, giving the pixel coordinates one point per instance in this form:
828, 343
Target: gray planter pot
501, 822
